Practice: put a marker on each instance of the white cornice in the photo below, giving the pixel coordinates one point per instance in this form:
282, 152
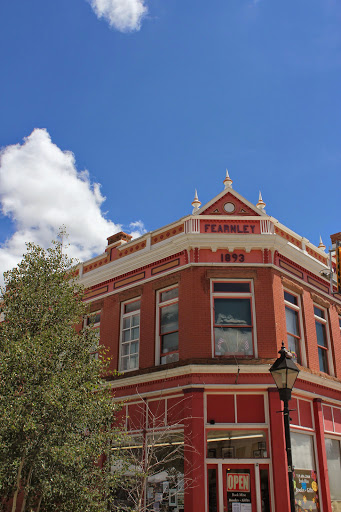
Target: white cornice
213, 241
192, 369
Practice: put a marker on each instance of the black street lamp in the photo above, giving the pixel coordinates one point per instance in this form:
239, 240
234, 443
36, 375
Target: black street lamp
285, 372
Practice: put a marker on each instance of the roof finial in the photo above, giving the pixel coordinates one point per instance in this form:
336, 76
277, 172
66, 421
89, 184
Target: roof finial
321, 244
227, 181
196, 203
261, 205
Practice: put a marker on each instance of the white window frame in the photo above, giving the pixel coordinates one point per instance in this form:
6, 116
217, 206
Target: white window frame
123, 316
159, 305
298, 309
325, 321
235, 295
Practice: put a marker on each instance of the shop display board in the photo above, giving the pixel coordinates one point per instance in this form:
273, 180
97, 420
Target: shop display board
306, 490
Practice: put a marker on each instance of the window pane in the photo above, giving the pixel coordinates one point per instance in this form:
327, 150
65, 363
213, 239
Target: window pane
133, 362
126, 335
294, 348
305, 477
232, 287
132, 306
94, 318
125, 349
169, 342
323, 362
135, 320
169, 318
235, 341
334, 468
212, 490
302, 451
170, 358
134, 348
318, 312
292, 321
126, 322
124, 363
236, 444
232, 311
135, 333
321, 334
290, 298
169, 294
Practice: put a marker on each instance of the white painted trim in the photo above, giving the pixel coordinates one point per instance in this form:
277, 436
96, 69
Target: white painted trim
257, 486
325, 321
159, 305
220, 487
237, 426
221, 369
298, 309
121, 333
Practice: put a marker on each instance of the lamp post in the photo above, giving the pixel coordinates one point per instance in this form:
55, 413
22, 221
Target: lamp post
285, 372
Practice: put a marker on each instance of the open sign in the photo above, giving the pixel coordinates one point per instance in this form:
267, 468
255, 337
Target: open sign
238, 482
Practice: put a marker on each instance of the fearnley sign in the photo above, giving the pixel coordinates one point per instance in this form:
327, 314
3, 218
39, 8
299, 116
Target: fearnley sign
243, 228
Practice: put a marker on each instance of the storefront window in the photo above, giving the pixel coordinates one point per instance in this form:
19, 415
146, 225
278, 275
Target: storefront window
334, 472
236, 444
154, 473
305, 477
165, 482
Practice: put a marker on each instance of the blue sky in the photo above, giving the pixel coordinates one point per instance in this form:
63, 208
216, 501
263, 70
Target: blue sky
156, 98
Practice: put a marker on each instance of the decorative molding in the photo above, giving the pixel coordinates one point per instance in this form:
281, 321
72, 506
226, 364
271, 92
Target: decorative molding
267, 227
317, 284
294, 287
168, 233
165, 266
322, 302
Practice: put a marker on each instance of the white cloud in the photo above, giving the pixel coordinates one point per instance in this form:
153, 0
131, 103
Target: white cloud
124, 15
41, 190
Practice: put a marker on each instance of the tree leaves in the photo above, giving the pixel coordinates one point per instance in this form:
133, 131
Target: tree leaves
55, 410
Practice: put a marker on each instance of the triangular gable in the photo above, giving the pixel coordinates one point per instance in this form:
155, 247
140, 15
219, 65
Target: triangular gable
229, 202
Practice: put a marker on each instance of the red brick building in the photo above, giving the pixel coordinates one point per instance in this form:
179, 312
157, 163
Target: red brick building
193, 315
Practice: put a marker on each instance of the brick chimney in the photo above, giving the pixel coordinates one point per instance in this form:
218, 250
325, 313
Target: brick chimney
114, 241
119, 239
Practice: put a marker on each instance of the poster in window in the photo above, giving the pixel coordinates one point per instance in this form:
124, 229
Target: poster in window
306, 490
239, 491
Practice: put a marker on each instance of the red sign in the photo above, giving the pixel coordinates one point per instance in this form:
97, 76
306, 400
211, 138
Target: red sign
238, 482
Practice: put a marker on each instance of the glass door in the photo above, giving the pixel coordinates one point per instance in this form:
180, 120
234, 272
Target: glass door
239, 488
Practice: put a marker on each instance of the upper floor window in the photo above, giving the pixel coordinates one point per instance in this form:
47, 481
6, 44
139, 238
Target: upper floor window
233, 318
292, 315
130, 335
322, 338
168, 324
93, 321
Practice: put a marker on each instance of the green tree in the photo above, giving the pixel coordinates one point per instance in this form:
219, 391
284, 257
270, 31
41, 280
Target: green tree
56, 413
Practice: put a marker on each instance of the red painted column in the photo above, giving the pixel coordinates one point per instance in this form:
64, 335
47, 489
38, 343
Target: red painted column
278, 453
324, 490
194, 432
